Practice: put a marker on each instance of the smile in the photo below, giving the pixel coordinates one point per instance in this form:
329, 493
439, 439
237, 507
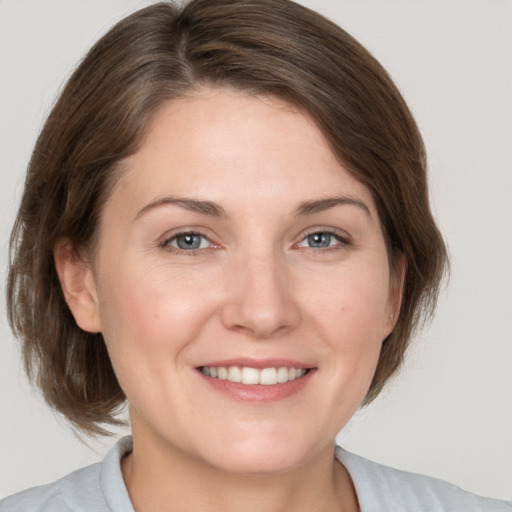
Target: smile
252, 376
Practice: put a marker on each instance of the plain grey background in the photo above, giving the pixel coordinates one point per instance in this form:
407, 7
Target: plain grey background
449, 412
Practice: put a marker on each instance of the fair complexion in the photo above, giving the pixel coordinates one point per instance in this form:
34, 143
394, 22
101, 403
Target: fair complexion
235, 245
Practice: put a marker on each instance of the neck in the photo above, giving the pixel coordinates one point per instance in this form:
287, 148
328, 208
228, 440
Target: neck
166, 479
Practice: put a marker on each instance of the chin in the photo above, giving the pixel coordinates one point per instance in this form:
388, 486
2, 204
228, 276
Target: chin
263, 453
263, 462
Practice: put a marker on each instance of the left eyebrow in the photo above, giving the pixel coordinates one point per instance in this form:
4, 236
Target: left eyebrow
320, 205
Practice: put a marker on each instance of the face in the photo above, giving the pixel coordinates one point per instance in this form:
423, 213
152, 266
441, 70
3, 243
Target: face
236, 247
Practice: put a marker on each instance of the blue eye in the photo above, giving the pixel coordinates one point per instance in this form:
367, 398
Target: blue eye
320, 240
188, 241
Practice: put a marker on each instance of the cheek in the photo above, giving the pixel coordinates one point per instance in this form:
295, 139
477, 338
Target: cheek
153, 313
353, 304
149, 319
351, 316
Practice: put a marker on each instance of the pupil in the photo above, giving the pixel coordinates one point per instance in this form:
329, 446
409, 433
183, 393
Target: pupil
320, 240
189, 242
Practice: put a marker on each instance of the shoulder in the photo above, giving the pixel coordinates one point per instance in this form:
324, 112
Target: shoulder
381, 488
63, 495
98, 487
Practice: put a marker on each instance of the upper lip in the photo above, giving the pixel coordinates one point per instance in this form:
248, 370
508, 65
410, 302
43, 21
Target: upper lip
259, 363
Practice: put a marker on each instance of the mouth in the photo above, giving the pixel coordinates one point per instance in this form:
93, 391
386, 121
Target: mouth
254, 376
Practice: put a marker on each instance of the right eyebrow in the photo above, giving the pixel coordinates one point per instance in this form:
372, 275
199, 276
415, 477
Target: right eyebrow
194, 205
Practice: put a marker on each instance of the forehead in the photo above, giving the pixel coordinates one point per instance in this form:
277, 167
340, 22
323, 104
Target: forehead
236, 147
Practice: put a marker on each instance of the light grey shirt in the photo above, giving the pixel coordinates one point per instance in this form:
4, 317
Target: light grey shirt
100, 488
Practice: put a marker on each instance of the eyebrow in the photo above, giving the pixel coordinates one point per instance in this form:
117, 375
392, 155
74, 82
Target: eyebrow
320, 205
194, 205
215, 210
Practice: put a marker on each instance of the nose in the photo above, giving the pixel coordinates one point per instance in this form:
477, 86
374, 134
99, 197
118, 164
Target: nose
261, 301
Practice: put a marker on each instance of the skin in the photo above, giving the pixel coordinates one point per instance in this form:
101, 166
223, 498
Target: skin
256, 288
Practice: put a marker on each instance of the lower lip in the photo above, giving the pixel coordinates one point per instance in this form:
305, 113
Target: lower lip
258, 392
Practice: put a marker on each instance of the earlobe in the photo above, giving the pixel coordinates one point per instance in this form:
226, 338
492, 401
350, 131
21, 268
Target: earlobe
78, 286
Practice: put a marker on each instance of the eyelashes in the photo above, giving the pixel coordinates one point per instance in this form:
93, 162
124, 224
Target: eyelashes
192, 243
189, 241
323, 240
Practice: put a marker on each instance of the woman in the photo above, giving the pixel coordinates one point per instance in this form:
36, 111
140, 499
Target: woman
226, 223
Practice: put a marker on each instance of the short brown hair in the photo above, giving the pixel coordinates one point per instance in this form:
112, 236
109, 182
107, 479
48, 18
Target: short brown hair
265, 47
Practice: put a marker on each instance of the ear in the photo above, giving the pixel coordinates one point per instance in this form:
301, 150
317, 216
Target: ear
78, 286
396, 292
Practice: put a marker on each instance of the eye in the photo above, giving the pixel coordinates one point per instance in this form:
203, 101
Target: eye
322, 240
188, 242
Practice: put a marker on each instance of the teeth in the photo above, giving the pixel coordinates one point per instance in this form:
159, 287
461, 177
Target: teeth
282, 375
252, 376
234, 374
268, 376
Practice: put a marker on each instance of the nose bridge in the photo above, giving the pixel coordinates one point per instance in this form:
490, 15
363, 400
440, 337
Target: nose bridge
262, 300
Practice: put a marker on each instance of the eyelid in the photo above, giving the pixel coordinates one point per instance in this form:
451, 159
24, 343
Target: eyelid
201, 237
342, 236
164, 242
